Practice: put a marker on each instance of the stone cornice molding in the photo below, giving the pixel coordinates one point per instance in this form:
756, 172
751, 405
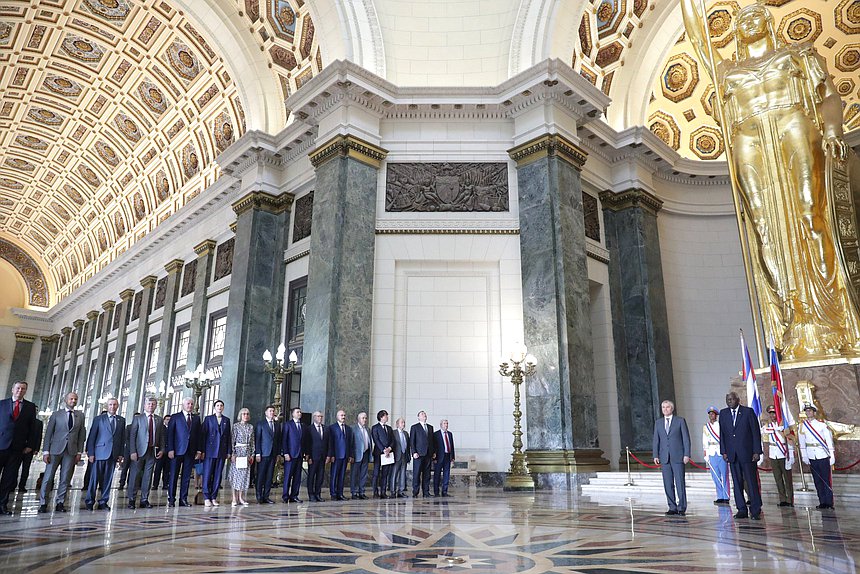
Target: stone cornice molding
262, 201
447, 226
148, 282
126, 294
273, 151
174, 266
297, 256
630, 198
92, 315
348, 146
24, 338
205, 247
78, 323
549, 145
344, 82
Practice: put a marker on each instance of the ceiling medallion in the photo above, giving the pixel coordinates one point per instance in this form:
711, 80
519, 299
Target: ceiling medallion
182, 60
31, 142
108, 9
128, 127
63, 86
82, 49
45, 117
153, 97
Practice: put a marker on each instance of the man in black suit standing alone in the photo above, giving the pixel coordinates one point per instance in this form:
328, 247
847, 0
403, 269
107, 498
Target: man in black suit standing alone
421, 445
740, 445
17, 438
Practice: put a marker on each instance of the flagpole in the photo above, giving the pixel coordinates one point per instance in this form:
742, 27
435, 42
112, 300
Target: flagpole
753, 294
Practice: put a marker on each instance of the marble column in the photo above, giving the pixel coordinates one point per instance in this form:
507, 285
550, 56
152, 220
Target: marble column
138, 371
115, 384
77, 335
108, 308
199, 307
168, 322
45, 371
92, 323
256, 300
21, 361
640, 325
62, 372
337, 347
560, 398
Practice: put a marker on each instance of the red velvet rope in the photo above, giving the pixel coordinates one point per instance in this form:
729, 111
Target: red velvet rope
645, 464
850, 466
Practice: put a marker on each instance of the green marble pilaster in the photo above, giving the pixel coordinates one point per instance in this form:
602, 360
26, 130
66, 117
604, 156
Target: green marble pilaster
256, 301
92, 323
77, 335
62, 374
560, 398
115, 384
200, 306
20, 361
640, 324
168, 322
108, 307
45, 370
337, 344
136, 389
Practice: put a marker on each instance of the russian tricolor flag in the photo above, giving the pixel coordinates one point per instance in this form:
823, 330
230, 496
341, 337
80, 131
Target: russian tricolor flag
783, 414
749, 378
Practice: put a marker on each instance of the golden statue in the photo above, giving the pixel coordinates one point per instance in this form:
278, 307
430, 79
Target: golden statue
782, 123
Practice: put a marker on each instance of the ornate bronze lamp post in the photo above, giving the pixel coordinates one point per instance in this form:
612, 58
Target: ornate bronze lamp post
159, 394
279, 372
198, 381
521, 365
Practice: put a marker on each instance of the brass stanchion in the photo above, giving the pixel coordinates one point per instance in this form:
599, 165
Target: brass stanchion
629, 476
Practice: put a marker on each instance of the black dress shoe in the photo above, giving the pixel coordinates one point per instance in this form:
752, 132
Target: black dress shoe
21, 489
103, 506
741, 515
755, 516
43, 508
320, 499
671, 512
88, 505
341, 498
267, 501
59, 507
294, 499
145, 504
428, 495
184, 503
362, 497
131, 505
171, 505
445, 495
5, 511
402, 495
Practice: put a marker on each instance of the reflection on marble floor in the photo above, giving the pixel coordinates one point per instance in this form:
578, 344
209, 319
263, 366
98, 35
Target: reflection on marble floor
490, 533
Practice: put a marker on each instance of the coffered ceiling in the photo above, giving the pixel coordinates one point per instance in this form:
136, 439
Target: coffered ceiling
112, 113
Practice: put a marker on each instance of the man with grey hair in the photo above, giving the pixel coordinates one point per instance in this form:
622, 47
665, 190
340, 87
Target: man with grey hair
362, 448
402, 456
316, 449
105, 447
65, 439
671, 449
146, 445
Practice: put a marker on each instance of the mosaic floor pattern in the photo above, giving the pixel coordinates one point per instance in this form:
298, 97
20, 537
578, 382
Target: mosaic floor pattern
490, 533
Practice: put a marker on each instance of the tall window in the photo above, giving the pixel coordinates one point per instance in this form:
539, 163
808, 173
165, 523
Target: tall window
154, 348
207, 400
108, 373
217, 334
296, 312
126, 380
180, 356
91, 386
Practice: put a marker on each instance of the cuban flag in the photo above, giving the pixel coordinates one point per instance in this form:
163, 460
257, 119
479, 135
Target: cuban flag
749, 378
783, 414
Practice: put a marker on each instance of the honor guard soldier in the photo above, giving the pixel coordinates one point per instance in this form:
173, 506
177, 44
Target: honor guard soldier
816, 447
780, 452
711, 447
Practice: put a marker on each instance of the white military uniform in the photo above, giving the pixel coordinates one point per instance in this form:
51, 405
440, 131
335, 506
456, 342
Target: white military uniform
816, 447
718, 466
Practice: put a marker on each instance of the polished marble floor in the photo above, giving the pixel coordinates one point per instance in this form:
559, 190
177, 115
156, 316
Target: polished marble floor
491, 532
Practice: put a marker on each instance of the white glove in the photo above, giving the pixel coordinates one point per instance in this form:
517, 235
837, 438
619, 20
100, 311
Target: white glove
789, 463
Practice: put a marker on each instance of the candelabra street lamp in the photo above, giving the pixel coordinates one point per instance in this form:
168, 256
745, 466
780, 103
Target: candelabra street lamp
279, 372
521, 365
159, 394
198, 381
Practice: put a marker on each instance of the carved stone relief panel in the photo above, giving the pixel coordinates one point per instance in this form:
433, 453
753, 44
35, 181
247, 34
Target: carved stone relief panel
224, 259
303, 208
591, 216
189, 276
160, 292
448, 186
135, 308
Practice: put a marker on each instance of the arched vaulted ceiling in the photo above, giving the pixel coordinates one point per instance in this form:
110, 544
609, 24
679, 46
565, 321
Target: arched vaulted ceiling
112, 113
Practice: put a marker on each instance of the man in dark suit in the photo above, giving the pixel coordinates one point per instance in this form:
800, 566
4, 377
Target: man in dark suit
339, 454
740, 445
217, 448
162, 465
126, 456
402, 456
292, 448
421, 445
267, 444
362, 450
65, 440
17, 438
27, 460
316, 449
671, 449
183, 448
444, 449
146, 445
383, 438
105, 446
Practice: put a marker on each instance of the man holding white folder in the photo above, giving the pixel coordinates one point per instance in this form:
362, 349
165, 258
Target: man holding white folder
383, 458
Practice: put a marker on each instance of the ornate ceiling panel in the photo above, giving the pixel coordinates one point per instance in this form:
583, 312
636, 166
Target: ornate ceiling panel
111, 115
285, 32
680, 112
605, 34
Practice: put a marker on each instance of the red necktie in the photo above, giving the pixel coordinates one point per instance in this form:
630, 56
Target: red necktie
16, 411
151, 430
447, 446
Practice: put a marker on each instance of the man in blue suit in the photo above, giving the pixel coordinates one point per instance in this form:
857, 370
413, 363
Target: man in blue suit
445, 455
339, 454
183, 448
740, 445
362, 447
17, 438
293, 451
267, 441
316, 449
105, 446
671, 448
217, 448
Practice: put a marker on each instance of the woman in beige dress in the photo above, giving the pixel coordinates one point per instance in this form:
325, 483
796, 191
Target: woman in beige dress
243, 448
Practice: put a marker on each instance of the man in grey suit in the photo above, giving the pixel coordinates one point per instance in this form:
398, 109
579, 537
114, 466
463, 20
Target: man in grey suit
65, 439
145, 445
402, 456
671, 448
362, 448
105, 445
